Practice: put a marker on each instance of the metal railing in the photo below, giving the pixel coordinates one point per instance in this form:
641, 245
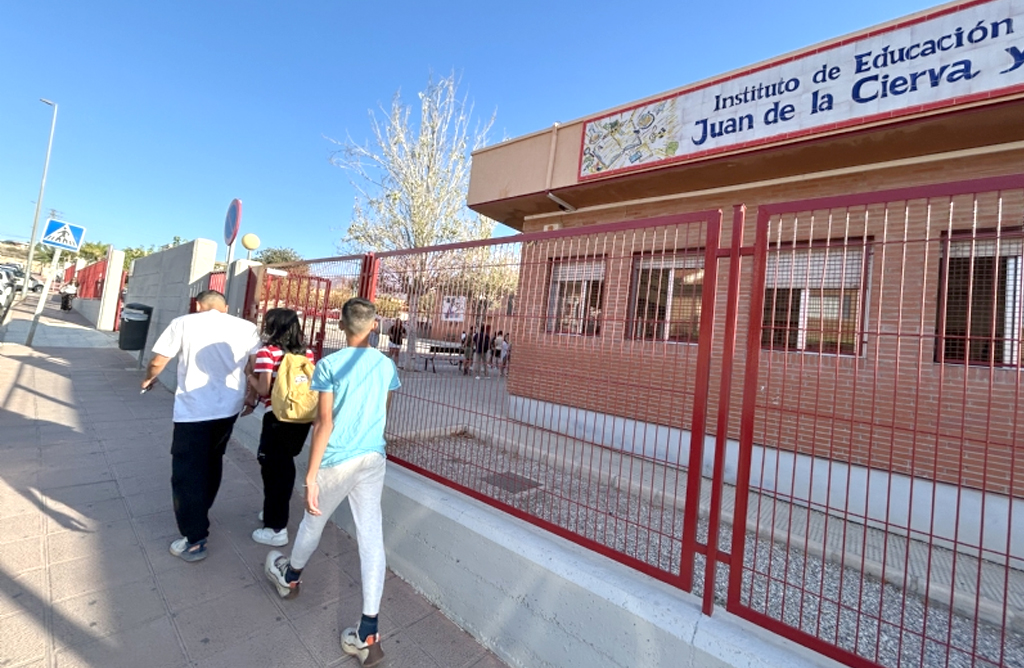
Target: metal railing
881, 425
824, 441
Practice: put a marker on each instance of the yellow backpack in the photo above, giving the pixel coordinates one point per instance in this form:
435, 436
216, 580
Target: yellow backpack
292, 399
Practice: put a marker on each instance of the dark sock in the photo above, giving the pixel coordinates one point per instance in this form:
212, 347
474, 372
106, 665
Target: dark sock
367, 626
292, 575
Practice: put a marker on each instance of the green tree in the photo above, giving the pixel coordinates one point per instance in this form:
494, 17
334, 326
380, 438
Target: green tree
134, 253
277, 255
175, 241
93, 251
43, 254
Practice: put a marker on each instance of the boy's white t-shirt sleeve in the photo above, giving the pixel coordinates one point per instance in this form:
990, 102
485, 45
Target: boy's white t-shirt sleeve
169, 342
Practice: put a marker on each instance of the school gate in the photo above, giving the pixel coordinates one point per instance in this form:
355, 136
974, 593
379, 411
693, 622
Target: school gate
809, 414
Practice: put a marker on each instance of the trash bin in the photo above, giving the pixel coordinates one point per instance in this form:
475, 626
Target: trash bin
134, 326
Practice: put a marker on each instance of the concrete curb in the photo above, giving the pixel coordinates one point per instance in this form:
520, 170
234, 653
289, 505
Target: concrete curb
537, 600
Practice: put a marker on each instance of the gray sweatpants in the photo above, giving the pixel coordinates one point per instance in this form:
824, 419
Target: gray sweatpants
362, 480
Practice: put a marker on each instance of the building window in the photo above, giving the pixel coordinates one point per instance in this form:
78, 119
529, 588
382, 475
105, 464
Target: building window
667, 297
813, 299
576, 297
980, 300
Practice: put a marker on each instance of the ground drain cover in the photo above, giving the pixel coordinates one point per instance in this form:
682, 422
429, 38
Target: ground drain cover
511, 482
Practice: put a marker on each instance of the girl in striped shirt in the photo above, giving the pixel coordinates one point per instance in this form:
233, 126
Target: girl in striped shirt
280, 442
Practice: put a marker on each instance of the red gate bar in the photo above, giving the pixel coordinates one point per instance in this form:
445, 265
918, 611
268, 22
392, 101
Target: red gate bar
913, 416
884, 343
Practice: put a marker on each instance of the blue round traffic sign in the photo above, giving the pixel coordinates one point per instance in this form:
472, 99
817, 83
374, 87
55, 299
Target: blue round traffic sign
233, 221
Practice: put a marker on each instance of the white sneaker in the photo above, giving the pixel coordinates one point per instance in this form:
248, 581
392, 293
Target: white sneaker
268, 536
367, 651
276, 568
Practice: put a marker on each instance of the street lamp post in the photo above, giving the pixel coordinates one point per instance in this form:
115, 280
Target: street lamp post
39, 204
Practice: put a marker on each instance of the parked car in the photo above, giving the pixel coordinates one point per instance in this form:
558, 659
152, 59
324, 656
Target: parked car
6, 287
18, 277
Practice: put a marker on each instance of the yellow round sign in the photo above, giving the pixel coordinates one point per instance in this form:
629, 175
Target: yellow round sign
250, 241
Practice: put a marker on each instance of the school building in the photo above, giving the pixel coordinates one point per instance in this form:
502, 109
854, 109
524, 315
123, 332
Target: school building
826, 250
769, 323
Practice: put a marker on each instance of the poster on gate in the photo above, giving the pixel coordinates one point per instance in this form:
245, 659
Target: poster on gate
453, 308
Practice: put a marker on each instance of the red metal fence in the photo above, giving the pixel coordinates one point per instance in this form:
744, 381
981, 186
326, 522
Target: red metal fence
218, 281
90, 280
121, 293
819, 430
881, 427
315, 290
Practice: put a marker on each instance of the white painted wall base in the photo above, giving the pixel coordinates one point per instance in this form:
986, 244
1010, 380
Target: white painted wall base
537, 600
899, 502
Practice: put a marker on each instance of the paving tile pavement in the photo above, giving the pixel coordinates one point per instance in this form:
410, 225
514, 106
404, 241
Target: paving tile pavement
85, 521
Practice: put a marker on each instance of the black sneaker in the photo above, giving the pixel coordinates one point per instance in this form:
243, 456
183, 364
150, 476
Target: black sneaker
183, 549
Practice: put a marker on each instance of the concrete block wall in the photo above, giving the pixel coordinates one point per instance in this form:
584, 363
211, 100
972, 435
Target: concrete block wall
237, 285
167, 281
90, 308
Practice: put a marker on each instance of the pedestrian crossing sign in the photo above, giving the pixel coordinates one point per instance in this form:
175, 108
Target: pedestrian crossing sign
62, 235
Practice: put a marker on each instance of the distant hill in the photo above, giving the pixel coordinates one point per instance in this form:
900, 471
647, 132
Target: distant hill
13, 251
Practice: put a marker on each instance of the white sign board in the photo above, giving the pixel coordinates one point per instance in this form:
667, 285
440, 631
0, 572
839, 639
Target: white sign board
953, 56
453, 309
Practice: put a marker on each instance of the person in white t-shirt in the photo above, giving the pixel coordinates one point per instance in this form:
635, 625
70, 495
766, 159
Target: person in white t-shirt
212, 349
68, 294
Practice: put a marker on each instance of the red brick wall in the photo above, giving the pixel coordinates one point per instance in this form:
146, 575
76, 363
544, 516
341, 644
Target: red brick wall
893, 407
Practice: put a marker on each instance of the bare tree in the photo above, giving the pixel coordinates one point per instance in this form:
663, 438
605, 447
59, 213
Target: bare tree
490, 276
411, 185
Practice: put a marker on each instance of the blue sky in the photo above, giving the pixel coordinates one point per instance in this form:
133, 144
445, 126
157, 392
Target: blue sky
170, 110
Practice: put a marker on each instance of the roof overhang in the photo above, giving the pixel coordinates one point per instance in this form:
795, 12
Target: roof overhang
961, 129
955, 87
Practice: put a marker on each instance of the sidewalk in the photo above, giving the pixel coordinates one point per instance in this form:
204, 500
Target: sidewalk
56, 328
86, 519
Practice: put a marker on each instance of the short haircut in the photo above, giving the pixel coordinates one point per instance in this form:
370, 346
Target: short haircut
211, 298
357, 315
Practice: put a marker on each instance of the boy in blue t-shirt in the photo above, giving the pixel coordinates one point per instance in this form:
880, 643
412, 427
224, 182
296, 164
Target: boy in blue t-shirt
346, 459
